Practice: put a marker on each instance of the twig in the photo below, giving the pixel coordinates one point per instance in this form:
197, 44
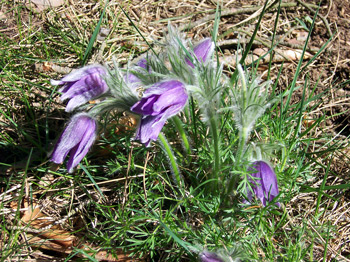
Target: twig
10, 190
263, 42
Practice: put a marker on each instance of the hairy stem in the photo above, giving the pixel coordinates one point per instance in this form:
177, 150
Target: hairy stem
216, 144
178, 125
243, 134
173, 164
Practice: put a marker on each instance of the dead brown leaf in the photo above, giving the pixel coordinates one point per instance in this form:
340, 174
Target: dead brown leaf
54, 235
44, 234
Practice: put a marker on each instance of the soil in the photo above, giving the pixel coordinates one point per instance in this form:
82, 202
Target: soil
336, 60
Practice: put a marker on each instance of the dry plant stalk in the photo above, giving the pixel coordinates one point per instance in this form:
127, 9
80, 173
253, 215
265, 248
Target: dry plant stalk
279, 56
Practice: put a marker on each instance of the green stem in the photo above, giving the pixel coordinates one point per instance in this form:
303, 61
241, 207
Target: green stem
242, 144
216, 144
169, 152
178, 125
244, 88
243, 132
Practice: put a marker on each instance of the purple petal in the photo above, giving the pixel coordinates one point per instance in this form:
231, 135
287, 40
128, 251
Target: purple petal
81, 149
171, 111
142, 63
162, 87
202, 51
159, 102
56, 82
84, 71
176, 96
149, 129
70, 137
209, 257
145, 105
76, 139
131, 78
65, 88
160, 96
72, 88
269, 181
92, 86
82, 85
265, 187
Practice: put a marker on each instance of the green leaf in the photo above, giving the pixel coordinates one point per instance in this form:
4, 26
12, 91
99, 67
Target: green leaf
94, 36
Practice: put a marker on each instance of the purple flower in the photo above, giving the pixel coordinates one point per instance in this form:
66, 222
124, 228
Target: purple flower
131, 78
265, 186
82, 85
202, 51
206, 256
160, 101
76, 140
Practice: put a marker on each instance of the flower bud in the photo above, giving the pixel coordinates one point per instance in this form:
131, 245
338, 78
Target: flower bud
202, 51
131, 78
76, 139
265, 187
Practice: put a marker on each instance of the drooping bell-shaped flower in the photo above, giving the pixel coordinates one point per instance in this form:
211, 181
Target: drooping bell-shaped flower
76, 139
82, 85
265, 185
159, 102
202, 51
206, 256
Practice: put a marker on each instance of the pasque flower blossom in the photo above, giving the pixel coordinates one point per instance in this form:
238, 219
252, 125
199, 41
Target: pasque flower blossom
159, 102
265, 187
82, 85
202, 51
76, 139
